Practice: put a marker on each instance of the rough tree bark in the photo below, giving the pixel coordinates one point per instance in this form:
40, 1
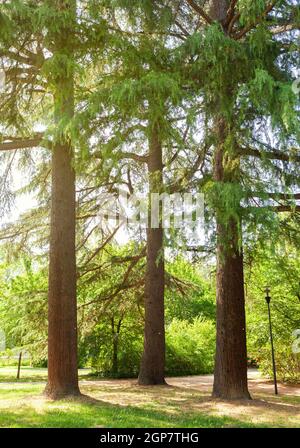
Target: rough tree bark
218, 9
62, 311
152, 369
230, 374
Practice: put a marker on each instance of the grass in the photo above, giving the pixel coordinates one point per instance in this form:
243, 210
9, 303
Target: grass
123, 404
26, 408
30, 374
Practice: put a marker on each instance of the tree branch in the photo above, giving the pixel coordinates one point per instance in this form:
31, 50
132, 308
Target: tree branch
274, 155
279, 29
230, 12
131, 155
285, 196
287, 208
249, 27
22, 144
200, 11
277, 208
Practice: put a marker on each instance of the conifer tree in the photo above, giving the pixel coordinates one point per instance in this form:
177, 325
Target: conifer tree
144, 96
62, 309
47, 44
238, 66
58, 19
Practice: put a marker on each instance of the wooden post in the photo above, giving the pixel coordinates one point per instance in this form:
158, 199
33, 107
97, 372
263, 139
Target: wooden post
19, 366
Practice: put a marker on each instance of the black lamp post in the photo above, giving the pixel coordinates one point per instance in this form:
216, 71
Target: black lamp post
268, 300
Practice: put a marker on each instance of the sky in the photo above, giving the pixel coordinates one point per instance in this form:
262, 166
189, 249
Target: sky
22, 202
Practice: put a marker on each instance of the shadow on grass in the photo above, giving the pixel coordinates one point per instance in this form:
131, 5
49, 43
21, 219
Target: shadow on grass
128, 405
87, 412
192, 399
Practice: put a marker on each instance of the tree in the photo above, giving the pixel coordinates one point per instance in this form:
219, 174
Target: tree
46, 48
62, 332
242, 35
62, 310
230, 379
141, 61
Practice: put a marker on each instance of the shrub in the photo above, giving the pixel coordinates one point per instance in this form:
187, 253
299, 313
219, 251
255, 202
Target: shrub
190, 347
259, 346
287, 362
99, 351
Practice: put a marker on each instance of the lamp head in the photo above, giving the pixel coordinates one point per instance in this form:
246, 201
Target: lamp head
267, 291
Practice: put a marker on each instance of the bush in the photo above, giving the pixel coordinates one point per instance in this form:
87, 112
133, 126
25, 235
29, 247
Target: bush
259, 345
97, 350
279, 268
129, 355
287, 365
190, 347
287, 362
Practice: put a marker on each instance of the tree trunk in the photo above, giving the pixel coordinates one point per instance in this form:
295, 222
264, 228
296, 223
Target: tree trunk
230, 375
218, 9
62, 306
115, 334
115, 354
62, 312
152, 369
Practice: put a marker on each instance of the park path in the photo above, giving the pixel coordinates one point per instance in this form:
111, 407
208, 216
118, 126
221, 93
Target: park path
256, 384
204, 383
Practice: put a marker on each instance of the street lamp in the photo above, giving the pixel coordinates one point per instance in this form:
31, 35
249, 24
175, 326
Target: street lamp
268, 300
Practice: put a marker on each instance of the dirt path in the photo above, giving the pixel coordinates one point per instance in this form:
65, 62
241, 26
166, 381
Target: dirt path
257, 384
204, 383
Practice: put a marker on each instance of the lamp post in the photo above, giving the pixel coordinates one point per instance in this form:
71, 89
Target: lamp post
268, 300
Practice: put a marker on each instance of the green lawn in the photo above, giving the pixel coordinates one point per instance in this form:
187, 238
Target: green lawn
24, 407
9, 374
123, 404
